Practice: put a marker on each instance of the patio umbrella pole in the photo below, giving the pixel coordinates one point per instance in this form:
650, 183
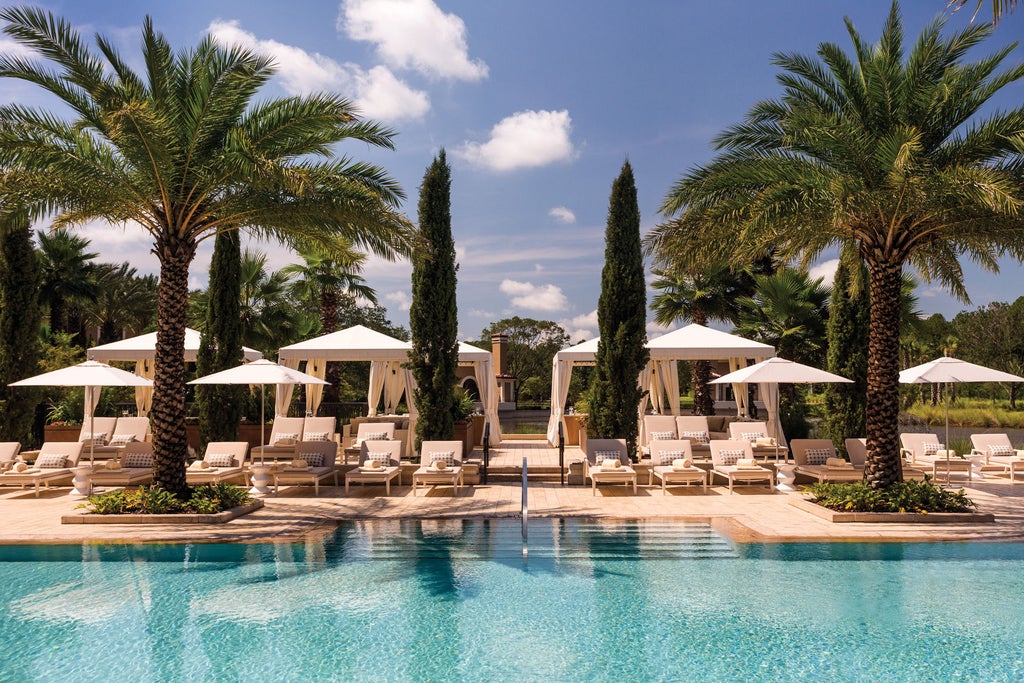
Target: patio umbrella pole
263, 420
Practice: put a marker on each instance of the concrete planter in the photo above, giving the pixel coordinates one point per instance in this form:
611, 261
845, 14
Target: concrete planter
219, 518
892, 517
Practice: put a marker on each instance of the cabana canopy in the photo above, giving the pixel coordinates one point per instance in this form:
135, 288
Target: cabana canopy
387, 355
660, 377
142, 350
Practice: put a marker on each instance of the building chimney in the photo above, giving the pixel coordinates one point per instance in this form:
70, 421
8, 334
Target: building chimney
499, 349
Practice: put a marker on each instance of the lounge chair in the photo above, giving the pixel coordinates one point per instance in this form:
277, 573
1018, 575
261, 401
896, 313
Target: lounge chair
597, 468
857, 449
726, 457
123, 430
816, 458
134, 467
284, 436
695, 428
8, 452
664, 454
319, 457
320, 429
224, 460
387, 454
762, 444
371, 431
657, 428
449, 452
998, 453
53, 465
925, 451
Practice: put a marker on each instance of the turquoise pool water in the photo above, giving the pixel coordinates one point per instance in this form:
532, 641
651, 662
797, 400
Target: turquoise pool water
456, 601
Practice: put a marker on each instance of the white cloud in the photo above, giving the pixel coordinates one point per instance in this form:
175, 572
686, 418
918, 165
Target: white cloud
562, 215
825, 270
524, 140
13, 48
378, 94
655, 330
548, 298
581, 327
413, 34
400, 298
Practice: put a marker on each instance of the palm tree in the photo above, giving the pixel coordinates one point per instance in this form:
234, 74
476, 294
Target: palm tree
881, 151
184, 150
124, 302
788, 310
707, 295
999, 7
68, 276
322, 279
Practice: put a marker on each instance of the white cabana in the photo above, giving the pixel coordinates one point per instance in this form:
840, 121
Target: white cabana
388, 378
142, 350
692, 342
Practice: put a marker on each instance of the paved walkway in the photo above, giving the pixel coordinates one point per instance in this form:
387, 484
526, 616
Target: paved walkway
752, 514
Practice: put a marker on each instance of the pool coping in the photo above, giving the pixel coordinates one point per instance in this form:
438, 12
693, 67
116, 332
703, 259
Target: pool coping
892, 517
186, 519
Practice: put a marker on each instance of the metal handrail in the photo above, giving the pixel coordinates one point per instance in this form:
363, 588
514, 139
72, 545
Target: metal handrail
561, 454
525, 511
487, 452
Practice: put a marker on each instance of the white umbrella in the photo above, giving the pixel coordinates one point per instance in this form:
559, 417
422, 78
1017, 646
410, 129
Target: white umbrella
776, 371
946, 370
262, 372
91, 375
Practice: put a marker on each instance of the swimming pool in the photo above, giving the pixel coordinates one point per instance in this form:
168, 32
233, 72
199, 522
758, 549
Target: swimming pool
456, 600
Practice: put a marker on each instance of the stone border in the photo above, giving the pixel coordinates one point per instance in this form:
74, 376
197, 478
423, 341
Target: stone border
892, 517
218, 518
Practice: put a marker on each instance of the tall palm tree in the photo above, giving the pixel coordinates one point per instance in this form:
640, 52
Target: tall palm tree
884, 151
788, 310
124, 302
184, 150
322, 279
999, 7
68, 276
704, 296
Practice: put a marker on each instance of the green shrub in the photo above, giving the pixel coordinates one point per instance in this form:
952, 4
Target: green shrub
907, 496
206, 499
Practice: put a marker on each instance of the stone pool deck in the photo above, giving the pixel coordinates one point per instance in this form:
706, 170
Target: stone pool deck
752, 514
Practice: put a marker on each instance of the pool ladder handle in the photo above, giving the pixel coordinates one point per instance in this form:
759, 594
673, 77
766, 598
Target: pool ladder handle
524, 511
561, 453
487, 452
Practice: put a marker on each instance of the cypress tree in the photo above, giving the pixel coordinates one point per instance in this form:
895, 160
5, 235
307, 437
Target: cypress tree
220, 348
20, 319
433, 316
847, 334
621, 319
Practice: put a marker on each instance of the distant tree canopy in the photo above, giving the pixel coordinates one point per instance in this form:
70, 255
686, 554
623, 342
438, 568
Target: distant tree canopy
531, 346
991, 335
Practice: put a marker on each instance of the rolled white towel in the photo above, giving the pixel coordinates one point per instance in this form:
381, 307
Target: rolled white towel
682, 463
371, 464
610, 464
765, 441
747, 463
838, 464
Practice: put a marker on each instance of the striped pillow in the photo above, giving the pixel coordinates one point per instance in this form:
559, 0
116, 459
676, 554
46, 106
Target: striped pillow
137, 460
313, 459
662, 458
1001, 451
52, 461
220, 459
316, 436
931, 448
817, 456
662, 436
730, 457
701, 438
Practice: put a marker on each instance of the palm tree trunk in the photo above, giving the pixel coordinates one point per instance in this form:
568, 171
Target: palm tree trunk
170, 442
883, 465
703, 399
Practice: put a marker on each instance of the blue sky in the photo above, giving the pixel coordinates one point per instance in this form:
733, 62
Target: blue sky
538, 103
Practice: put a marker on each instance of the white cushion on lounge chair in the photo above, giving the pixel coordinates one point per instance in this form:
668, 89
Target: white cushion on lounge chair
122, 439
315, 436
662, 436
447, 457
929, 449
752, 436
97, 439
606, 455
383, 457
376, 436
